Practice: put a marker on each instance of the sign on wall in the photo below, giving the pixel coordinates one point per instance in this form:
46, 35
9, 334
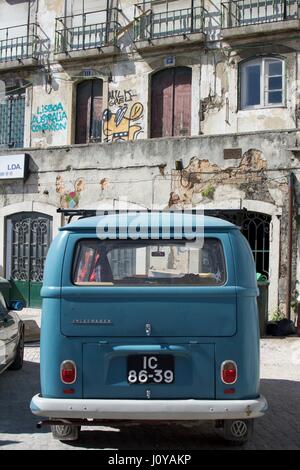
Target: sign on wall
13, 166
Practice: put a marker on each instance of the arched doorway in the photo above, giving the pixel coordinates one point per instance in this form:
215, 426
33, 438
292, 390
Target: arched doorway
255, 226
171, 102
89, 104
28, 237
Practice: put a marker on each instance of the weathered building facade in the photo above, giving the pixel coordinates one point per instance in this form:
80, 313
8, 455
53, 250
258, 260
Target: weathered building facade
180, 103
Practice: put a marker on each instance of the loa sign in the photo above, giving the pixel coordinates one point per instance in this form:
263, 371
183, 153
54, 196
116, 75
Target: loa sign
13, 166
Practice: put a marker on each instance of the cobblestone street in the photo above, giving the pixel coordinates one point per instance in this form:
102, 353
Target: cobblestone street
278, 429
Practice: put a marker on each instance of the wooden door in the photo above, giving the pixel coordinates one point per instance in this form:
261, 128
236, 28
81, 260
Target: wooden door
96, 110
88, 111
171, 102
162, 103
182, 101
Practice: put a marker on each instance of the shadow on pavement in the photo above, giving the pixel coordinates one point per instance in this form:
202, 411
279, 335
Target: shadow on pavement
16, 391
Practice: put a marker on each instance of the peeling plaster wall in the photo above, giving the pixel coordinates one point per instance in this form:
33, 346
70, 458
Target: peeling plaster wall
143, 174
130, 164
221, 111
215, 104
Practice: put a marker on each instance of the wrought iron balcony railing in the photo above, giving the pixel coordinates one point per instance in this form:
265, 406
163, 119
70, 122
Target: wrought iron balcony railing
151, 24
86, 31
236, 13
21, 42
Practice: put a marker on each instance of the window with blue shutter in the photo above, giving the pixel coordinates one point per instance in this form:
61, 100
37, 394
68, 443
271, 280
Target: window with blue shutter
12, 113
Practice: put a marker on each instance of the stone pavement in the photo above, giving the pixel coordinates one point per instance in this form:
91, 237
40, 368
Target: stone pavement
278, 429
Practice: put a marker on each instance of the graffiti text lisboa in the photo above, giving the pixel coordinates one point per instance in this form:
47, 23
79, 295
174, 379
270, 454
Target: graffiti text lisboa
49, 118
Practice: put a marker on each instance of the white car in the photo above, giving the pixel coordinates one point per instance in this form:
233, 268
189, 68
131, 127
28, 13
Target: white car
11, 335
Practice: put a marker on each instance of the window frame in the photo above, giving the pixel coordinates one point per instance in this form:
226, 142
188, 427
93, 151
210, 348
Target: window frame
264, 86
76, 254
152, 75
89, 128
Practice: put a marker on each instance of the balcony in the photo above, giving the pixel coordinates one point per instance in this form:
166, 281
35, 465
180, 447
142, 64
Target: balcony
87, 35
243, 18
22, 46
155, 25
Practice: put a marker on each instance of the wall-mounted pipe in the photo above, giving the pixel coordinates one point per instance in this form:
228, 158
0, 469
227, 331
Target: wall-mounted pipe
289, 245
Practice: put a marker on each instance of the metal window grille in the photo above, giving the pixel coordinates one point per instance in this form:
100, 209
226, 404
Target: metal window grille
12, 113
256, 228
28, 241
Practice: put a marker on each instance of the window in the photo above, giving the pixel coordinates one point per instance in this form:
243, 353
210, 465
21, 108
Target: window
262, 83
89, 111
149, 263
12, 114
171, 102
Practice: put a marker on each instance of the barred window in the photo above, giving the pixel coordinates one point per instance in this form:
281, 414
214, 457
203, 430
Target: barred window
12, 114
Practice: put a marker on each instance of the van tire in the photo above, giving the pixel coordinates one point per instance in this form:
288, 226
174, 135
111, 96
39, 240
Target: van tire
65, 432
19, 357
238, 431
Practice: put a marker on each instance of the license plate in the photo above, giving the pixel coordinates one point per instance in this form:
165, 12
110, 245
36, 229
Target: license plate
145, 369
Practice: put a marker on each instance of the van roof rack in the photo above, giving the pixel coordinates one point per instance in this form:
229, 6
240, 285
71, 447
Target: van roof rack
77, 213
83, 213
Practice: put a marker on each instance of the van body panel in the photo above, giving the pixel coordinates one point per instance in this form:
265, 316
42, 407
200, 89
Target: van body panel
171, 311
55, 348
101, 327
105, 371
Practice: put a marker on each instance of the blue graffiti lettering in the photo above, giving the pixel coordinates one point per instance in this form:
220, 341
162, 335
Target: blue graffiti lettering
49, 118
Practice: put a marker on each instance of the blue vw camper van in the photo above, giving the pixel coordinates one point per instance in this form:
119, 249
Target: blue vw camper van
149, 316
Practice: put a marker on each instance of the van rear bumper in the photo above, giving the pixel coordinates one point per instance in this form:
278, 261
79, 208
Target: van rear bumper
147, 409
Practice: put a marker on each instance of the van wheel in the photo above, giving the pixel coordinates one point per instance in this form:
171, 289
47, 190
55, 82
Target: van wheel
238, 431
65, 432
18, 361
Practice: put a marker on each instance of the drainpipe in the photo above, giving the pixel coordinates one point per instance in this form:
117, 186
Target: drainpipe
28, 28
192, 17
289, 245
107, 23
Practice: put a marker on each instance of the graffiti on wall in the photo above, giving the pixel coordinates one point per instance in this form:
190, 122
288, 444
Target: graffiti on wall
118, 97
124, 124
69, 199
49, 118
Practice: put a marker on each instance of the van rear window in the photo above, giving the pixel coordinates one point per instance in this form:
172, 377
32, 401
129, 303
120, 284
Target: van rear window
149, 263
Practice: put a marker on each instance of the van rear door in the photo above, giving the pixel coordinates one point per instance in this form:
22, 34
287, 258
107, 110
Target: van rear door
149, 326
145, 295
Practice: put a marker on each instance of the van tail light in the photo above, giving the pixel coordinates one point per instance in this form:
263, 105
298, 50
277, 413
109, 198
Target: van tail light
68, 372
229, 372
